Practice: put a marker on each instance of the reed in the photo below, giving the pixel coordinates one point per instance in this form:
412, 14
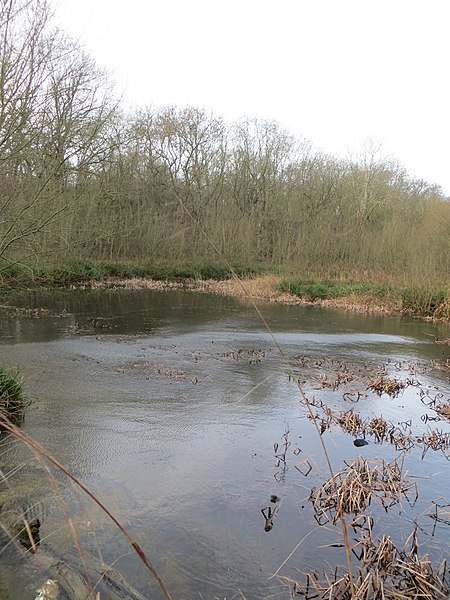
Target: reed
11, 394
351, 490
385, 572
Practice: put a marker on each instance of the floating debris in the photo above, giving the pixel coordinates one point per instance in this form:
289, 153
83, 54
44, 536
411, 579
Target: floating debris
48, 591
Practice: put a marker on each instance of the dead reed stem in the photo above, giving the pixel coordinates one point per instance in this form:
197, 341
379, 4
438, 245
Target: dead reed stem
40, 451
386, 572
352, 490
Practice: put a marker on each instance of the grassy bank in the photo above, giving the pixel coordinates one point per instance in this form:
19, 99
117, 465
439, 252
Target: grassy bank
259, 281
414, 300
83, 272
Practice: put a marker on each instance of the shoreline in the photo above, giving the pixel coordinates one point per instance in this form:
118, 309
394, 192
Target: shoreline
262, 287
362, 294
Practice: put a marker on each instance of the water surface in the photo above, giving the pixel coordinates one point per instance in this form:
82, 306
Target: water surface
168, 405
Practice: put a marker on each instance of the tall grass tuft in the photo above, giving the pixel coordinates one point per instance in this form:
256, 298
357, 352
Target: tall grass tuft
424, 302
11, 393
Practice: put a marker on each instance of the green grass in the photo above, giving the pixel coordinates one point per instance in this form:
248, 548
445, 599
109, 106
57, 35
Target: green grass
315, 290
417, 301
75, 273
11, 393
422, 301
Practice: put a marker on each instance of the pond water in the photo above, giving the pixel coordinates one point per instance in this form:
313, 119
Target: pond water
169, 406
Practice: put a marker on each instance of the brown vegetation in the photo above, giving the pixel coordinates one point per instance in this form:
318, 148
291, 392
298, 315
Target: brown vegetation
81, 180
351, 490
261, 287
443, 410
381, 385
385, 572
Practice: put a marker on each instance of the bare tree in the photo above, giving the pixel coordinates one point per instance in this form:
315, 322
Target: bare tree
54, 106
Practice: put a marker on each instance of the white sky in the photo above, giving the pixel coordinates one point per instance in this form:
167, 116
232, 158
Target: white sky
333, 71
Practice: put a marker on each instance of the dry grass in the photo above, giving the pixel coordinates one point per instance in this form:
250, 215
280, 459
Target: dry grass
351, 490
261, 287
442, 313
385, 572
441, 513
443, 410
45, 459
434, 440
378, 427
382, 385
365, 303
351, 422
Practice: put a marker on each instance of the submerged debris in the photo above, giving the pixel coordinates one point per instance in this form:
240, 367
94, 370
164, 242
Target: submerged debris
48, 591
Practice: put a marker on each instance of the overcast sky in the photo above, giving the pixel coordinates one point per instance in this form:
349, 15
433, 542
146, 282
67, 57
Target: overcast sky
333, 71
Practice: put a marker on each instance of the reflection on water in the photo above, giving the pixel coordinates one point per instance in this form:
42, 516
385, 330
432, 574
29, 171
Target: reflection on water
168, 405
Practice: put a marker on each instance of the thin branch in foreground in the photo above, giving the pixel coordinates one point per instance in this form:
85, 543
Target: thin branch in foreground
39, 450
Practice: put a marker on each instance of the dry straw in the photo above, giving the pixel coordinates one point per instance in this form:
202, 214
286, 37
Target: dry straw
351, 490
385, 572
382, 385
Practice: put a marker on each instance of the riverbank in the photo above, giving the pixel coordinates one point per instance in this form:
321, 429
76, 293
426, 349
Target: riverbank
262, 287
261, 282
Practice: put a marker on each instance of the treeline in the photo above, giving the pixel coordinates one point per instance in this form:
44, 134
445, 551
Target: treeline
80, 179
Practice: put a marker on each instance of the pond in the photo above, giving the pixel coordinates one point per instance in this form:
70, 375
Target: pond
177, 410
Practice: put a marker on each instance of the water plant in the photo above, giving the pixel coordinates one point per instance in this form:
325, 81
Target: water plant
385, 571
11, 393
